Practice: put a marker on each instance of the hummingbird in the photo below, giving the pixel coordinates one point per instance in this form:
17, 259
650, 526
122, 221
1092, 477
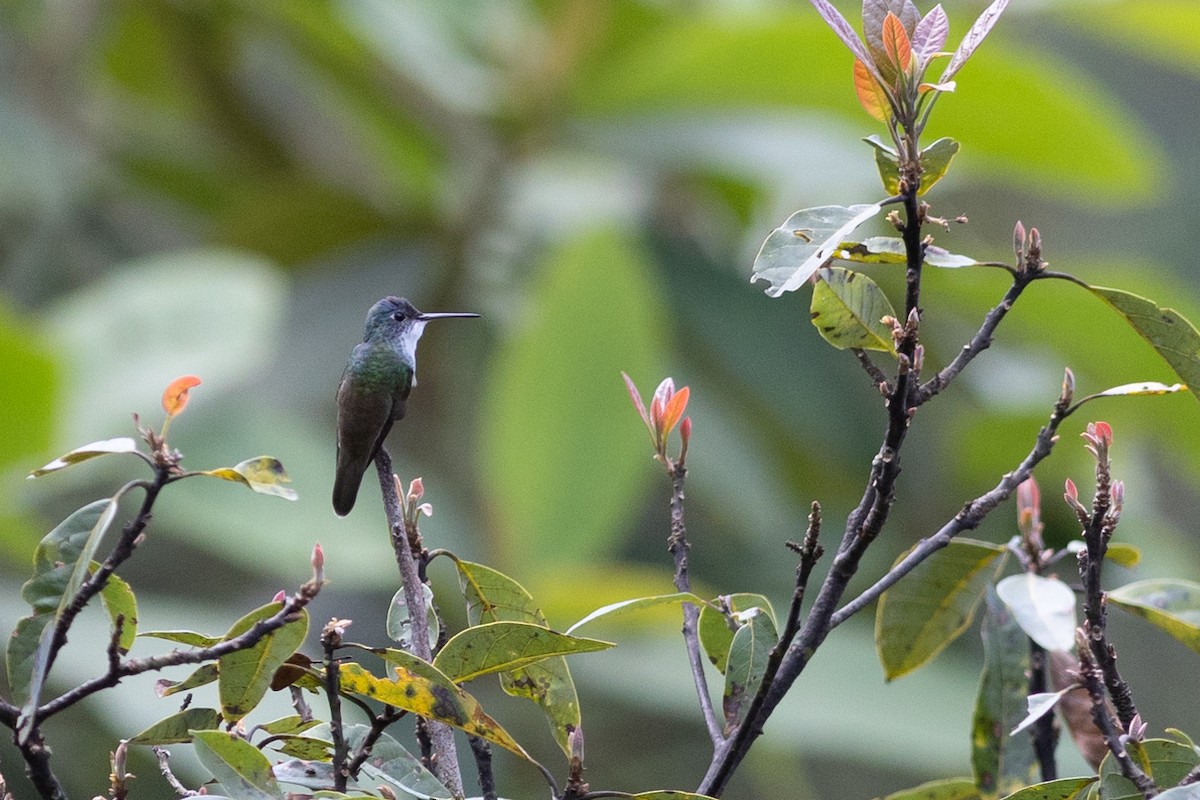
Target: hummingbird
374, 388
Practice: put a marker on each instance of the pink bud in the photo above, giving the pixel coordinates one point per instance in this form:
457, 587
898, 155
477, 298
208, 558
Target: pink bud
1019, 241
1103, 432
318, 556
1029, 503
1072, 494
279, 597
685, 429
416, 489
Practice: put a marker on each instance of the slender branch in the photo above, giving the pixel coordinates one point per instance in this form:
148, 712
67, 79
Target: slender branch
969, 518
677, 545
164, 766
136, 666
330, 639
981, 341
483, 765
1090, 674
379, 723
1045, 731
444, 755
878, 378
863, 524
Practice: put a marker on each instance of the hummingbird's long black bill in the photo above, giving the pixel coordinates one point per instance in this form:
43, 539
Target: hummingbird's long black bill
425, 316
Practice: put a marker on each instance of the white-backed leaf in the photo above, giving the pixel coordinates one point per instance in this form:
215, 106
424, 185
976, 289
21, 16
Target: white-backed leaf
122, 444
974, 38
930, 35
802, 244
1043, 607
1039, 705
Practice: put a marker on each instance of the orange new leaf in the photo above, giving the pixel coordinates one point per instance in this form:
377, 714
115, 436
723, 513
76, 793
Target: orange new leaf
870, 93
674, 410
175, 397
896, 43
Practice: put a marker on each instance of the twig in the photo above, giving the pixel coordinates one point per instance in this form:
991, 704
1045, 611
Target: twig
379, 723
164, 766
878, 378
969, 518
330, 639
1044, 731
981, 341
1093, 681
483, 765
677, 545
444, 753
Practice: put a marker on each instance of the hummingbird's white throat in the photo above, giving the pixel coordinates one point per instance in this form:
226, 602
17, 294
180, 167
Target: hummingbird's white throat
408, 343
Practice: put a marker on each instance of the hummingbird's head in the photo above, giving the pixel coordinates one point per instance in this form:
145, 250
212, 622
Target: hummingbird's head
395, 316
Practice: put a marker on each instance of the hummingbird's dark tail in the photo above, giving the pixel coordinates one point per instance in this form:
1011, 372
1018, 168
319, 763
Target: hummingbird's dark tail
345, 487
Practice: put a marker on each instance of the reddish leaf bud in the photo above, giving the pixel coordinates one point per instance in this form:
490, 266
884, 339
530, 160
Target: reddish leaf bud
416, 490
175, 396
1019, 243
279, 597
318, 556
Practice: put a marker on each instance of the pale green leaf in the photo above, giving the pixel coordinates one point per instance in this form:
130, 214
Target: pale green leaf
720, 619
190, 638
891, 250
848, 309
399, 625
1122, 553
505, 646
240, 767
245, 675
122, 444
945, 789
201, 676
120, 603
637, 604
932, 605
1174, 337
1169, 603
935, 161
802, 244
177, 728
1061, 789
1163, 760
747, 664
1043, 607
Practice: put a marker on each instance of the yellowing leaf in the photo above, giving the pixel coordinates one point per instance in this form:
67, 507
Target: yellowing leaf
263, 475
848, 309
175, 396
872, 96
421, 688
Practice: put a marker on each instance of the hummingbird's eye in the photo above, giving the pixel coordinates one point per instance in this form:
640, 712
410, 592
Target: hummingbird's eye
398, 316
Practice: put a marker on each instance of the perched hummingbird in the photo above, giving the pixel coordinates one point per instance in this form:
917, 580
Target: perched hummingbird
380, 374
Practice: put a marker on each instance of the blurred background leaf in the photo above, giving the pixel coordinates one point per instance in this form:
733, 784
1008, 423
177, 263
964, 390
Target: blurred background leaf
224, 188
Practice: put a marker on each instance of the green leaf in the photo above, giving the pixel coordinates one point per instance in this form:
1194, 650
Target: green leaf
1061, 789
719, 619
802, 244
1124, 554
1002, 764
1169, 603
1175, 339
61, 564
946, 789
392, 764
201, 676
505, 646
305, 747
190, 638
264, 475
891, 250
669, 794
747, 665
177, 728
932, 605
637, 604
494, 597
122, 444
935, 161
542, 405
399, 626
245, 675
21, 654
289, 724
1163, 760
848, 309
421, 688
120, 602
240, 767
1043, 607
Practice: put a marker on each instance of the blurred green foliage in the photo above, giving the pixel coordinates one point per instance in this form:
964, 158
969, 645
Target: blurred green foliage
224, 188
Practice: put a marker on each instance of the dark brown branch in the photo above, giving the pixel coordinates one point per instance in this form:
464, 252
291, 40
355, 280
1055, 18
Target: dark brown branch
483, 765
379, 723
969, 518
330, 639
878, 378
444, 756
1044, 731
1093, 681
677, 545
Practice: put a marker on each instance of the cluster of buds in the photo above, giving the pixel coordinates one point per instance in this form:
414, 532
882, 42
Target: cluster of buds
1110, 494
1029, 521
411, 508
666, 412
1027, 247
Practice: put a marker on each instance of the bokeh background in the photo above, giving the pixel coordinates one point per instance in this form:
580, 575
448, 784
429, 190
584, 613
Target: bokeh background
223, 188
